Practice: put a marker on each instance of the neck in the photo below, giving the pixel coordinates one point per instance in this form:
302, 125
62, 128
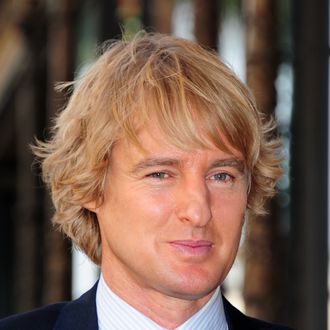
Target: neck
168, 311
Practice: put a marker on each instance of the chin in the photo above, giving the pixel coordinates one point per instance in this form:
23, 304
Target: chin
192, 292
194, 285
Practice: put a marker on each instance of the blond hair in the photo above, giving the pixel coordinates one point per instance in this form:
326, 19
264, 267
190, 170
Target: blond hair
177, 82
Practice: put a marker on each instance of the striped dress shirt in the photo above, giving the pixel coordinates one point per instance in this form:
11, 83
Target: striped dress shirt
114, 313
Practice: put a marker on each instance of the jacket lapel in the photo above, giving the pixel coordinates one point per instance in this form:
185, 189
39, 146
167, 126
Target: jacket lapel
79, 314
235, 319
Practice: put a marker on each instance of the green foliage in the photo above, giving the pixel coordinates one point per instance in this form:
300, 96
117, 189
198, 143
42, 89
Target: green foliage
131, 25
231, 6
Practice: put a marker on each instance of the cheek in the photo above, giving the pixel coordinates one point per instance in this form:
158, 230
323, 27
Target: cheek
233, 203
155, 210
139, 212
229, 213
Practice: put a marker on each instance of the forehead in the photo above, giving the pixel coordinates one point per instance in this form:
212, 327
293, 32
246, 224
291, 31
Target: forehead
152, 140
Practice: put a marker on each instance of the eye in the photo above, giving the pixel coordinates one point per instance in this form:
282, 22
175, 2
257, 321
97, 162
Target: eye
158, 175
222, 177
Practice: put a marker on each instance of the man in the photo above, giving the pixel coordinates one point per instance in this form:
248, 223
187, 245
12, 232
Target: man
153, 167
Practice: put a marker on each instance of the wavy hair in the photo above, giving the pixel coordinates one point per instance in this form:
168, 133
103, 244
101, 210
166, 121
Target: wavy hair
176, 81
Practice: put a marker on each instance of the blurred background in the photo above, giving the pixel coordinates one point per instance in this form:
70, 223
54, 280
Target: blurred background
280, 48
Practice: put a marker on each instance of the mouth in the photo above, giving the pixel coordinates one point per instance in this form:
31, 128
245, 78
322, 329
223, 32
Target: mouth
199, 248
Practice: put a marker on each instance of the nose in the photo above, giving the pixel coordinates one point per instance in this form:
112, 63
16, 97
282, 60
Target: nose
193, 203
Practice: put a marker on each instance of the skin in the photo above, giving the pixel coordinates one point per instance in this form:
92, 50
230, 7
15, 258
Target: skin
170, 224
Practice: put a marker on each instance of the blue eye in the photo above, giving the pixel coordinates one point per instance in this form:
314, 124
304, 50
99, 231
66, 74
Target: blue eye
158, 175
223, 177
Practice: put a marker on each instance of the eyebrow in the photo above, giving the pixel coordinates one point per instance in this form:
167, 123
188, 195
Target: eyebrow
231, 162
152, 162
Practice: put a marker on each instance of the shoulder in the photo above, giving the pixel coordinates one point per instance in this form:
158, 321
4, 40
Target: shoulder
42, 318
238, 321
77, 314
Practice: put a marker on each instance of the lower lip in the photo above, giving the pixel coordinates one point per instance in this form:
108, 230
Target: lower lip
193, 250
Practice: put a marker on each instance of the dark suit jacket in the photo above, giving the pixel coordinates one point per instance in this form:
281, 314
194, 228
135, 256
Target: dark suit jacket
81, 314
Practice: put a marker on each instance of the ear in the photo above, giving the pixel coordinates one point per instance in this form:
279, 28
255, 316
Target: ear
91, 206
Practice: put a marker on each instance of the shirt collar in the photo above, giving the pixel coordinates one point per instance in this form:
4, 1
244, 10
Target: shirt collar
114, 313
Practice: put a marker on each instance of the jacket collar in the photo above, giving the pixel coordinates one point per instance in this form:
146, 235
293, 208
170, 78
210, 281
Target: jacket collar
80, 313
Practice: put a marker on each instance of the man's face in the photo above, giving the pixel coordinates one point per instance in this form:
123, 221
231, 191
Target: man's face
171, 219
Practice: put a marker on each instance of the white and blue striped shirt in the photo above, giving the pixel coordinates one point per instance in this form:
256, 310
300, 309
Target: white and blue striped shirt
114, 313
